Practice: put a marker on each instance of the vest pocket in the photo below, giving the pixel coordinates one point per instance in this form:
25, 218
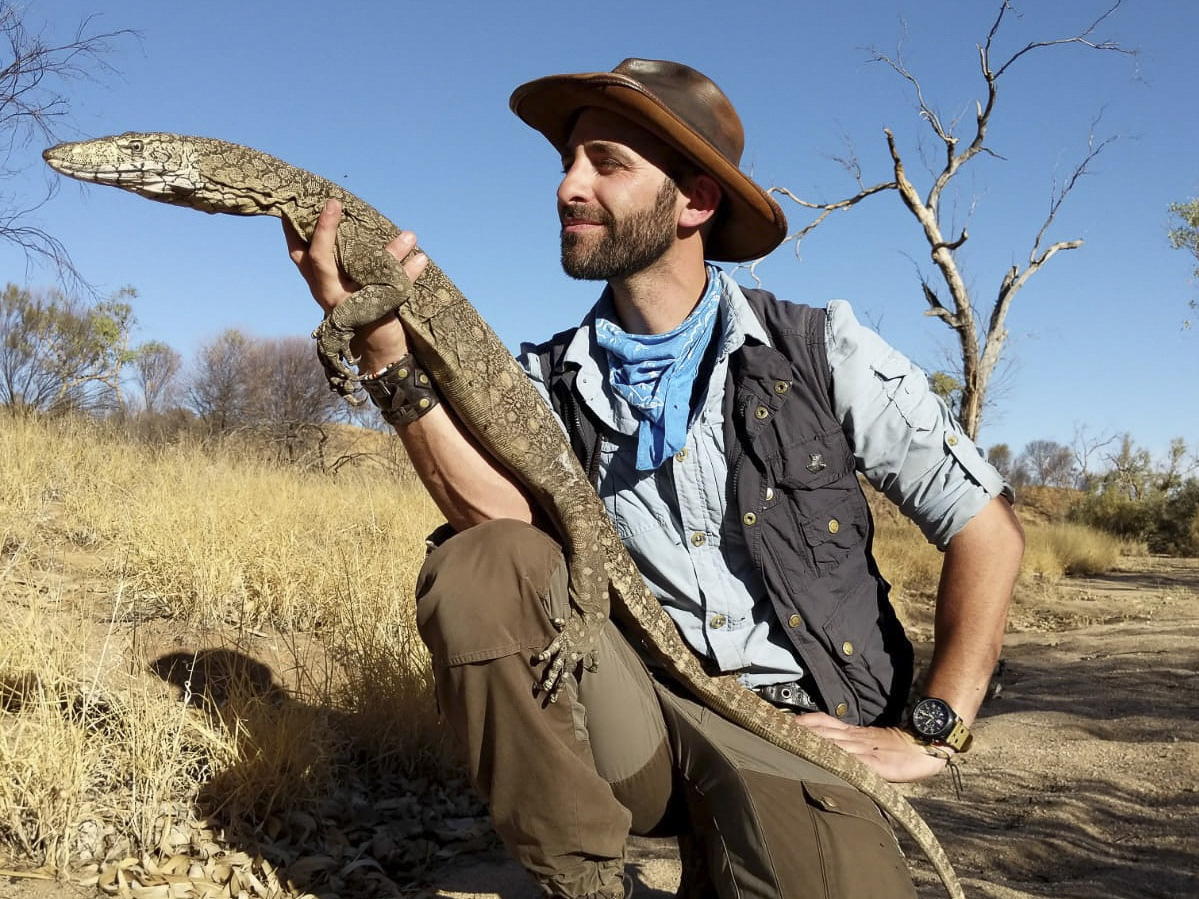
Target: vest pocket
833, 529
813, 463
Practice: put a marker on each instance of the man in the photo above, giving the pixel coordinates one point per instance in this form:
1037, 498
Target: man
724, 431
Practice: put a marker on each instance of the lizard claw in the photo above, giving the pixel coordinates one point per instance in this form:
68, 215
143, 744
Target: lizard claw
574, 644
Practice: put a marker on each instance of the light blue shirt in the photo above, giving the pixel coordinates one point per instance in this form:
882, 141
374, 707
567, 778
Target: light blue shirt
671, 519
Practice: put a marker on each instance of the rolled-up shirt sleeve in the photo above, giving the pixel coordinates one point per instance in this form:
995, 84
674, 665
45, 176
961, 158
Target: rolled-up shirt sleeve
906, 441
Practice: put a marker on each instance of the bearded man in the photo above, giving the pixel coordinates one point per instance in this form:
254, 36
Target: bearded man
724, 430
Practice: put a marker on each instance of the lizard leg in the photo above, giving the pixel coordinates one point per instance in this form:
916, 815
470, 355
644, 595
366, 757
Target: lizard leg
576, 643
333, 335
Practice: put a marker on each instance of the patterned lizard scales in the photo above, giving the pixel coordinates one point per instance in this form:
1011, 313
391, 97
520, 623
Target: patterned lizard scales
489, 393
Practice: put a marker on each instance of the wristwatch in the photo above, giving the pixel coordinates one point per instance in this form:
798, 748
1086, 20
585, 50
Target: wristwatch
935, 723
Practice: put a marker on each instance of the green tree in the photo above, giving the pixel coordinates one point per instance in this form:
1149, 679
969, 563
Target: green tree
1185, 235
58, 354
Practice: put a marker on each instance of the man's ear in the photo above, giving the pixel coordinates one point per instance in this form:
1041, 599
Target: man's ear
703, 194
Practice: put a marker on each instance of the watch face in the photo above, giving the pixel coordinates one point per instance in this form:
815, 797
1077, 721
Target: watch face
932, 717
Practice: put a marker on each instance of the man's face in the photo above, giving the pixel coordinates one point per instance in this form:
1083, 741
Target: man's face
619, 209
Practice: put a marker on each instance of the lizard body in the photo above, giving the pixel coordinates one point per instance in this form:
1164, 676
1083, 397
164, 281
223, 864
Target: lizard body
490, 394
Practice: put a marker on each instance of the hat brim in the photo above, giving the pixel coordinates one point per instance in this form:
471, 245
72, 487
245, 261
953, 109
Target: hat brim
751, 223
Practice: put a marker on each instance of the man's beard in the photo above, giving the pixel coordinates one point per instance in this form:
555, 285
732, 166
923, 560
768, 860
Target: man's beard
625, 247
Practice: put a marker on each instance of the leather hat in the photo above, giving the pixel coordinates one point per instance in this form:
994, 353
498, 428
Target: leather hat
690, 113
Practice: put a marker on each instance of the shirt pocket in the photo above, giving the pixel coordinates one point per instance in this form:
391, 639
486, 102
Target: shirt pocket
641, 518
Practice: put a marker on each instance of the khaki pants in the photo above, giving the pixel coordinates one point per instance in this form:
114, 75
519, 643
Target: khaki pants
621, 753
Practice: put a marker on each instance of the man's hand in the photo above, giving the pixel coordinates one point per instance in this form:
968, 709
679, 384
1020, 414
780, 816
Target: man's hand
890, 751
379, 344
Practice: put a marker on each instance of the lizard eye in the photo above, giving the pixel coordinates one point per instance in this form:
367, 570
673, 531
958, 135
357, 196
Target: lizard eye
135, 147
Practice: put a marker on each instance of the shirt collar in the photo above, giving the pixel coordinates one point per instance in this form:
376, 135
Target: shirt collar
737, 322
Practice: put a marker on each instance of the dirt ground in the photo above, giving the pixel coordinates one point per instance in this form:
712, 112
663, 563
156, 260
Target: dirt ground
1084, 782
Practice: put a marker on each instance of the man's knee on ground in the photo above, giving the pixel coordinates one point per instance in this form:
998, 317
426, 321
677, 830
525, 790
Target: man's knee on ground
483, 593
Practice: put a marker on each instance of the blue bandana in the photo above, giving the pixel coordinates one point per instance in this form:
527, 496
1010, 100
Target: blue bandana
655, 374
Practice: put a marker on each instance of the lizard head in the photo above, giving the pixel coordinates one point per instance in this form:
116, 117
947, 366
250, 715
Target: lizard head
199, 172
156, 166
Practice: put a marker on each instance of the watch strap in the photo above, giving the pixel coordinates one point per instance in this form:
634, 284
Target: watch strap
958, 739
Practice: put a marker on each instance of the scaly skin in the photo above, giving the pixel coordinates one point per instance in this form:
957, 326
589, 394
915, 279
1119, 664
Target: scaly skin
489, 393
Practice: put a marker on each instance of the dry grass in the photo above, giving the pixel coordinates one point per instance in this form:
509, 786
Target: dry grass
275, 603
1056, 550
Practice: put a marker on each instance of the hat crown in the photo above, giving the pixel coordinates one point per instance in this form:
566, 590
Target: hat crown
694, 98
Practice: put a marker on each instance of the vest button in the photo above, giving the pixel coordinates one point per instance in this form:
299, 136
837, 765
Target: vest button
680, 455
750, 519
781, 387
761, 413
952, 440
698, 539
717, 621
833, 526
769, 494
794, 621
847, 648
841, 710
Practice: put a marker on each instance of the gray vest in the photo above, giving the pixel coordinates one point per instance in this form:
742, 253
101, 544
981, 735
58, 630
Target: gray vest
796, 500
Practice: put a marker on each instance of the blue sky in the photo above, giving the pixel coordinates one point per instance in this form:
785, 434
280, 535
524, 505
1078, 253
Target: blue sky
405, 104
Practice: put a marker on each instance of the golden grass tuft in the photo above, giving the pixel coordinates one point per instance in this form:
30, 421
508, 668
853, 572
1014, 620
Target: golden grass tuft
1055, 550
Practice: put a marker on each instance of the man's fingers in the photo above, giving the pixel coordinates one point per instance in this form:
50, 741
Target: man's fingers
297, 247
325, 235
401, 248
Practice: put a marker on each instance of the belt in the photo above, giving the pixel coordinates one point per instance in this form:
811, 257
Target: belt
790, 695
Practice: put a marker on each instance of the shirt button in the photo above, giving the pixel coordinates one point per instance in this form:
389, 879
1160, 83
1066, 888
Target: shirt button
847, 648
750, 519
761, 413
717, 621
781, 387
680, 455
698, 539
794, 621
834, 526
841, 710
769, 494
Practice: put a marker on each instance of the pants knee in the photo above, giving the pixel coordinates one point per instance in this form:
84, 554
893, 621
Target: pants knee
484, 593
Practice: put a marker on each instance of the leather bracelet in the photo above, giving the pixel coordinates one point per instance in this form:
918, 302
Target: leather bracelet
402, 391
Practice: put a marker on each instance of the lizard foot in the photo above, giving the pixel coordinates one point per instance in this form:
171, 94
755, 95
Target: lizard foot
333, 351
574, 644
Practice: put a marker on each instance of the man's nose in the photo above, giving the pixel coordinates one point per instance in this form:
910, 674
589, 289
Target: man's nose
575, 186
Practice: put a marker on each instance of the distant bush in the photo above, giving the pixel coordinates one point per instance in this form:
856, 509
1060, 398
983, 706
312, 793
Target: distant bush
1165, 522
1176, 529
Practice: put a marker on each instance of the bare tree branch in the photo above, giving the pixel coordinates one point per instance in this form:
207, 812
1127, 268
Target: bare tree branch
33, 75
980, 352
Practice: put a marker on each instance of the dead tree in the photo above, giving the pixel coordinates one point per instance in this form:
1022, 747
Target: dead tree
950, 299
